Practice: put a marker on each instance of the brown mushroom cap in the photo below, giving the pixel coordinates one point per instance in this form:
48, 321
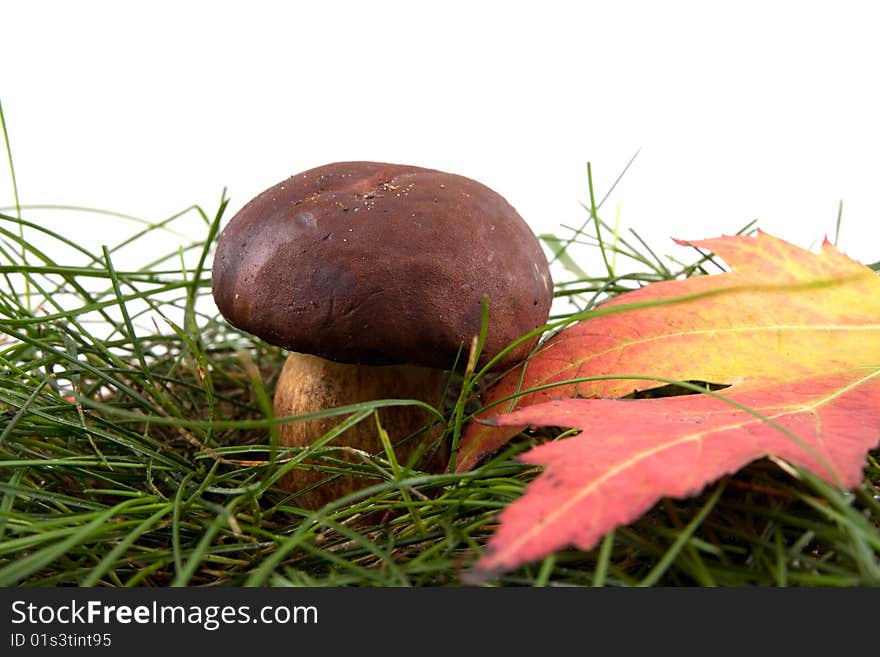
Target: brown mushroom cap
373, 263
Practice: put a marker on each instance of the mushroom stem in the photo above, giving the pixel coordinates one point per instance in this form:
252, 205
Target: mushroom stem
309, 383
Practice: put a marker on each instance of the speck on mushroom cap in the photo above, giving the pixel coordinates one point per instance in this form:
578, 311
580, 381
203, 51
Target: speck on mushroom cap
374, 263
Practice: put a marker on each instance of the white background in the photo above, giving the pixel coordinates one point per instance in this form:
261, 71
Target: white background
739, 110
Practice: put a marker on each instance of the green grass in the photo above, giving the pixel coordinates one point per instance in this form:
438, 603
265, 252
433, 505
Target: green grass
137, 446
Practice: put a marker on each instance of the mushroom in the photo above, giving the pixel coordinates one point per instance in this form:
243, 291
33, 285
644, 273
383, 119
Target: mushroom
373, 276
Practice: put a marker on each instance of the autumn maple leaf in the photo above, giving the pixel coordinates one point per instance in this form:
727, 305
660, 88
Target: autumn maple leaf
795, 336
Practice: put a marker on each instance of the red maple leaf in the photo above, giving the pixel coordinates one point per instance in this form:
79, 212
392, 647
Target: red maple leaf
795, 336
